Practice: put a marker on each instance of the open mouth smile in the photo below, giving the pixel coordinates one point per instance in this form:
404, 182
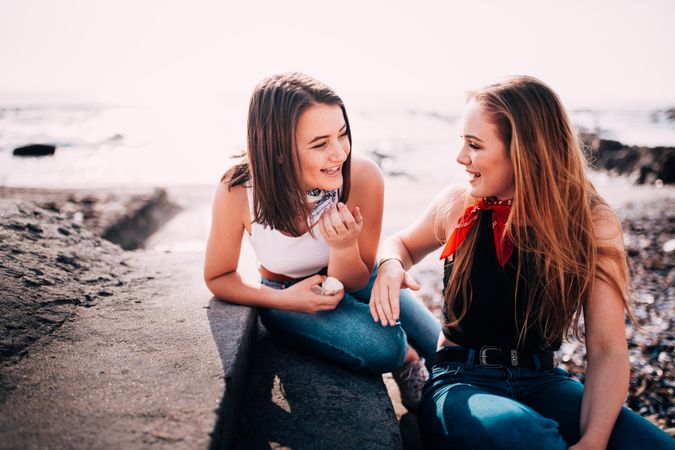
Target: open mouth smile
473, 175
332, 170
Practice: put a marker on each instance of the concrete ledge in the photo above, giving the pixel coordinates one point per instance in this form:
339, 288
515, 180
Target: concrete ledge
233, 329
296, 401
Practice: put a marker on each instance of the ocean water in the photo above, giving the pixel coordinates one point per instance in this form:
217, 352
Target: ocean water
173, 144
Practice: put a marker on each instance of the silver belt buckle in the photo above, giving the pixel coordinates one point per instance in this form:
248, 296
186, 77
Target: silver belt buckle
483, 357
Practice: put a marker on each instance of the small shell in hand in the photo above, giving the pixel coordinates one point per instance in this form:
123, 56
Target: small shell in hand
331, 286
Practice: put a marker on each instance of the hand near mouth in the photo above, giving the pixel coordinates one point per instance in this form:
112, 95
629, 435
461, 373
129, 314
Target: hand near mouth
339, 227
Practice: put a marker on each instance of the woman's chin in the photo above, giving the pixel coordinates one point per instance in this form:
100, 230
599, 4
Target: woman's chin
475, 191
330, 184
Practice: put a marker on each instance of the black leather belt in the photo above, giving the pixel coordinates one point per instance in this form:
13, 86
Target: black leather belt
496, 358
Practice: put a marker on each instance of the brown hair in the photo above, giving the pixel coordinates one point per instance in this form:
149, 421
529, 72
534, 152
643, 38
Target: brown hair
272, 164
553, 211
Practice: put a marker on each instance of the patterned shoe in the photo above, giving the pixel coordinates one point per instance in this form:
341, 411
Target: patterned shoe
410, 379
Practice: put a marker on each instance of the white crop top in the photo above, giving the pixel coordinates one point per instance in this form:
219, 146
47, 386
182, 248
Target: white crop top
295, 257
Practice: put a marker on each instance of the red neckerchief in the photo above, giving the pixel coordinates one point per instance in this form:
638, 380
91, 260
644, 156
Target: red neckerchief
500, 213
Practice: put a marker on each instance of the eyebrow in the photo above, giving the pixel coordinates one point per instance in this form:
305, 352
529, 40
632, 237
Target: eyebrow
471, 136
325, 136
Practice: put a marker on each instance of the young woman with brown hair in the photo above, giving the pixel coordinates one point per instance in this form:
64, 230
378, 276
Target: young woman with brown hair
530, 247
310, 209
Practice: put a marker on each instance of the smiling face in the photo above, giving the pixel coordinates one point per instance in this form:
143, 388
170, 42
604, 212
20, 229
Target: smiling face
323, 146
484, 155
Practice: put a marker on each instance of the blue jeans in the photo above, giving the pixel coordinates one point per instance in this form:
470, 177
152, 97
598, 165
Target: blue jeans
347, 335
466, 406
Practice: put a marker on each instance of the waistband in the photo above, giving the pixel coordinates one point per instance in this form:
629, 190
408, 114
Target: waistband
495, 357
285, 279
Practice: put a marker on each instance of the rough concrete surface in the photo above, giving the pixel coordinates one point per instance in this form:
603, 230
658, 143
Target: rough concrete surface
139, 370
49, 266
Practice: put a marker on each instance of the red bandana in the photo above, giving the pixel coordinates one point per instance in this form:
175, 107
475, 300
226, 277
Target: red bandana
500, 213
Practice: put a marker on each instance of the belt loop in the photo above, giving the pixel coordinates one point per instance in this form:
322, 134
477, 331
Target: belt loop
470, 358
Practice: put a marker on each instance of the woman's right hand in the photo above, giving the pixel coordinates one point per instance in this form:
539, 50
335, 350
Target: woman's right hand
300, 297
385, 296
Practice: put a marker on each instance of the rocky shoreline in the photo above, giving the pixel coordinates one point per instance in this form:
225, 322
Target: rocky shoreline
643, 165
125, 217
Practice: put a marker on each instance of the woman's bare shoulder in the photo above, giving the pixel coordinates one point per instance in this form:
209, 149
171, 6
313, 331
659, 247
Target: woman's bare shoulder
365, 172
230, 201
447, 207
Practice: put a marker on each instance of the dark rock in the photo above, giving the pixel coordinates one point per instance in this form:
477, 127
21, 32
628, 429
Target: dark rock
32, 282
35, 150
132, 230
645, 164
670, 114
33, 228
15, 226
70, 260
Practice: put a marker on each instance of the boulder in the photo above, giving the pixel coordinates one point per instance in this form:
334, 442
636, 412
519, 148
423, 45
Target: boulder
35, 150
645, 165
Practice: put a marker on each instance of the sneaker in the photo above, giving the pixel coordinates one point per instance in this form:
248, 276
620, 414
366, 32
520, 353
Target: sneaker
410, 380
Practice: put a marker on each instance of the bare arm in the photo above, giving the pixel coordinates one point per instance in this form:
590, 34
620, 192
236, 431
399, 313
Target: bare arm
230, 212
608, 367
409, 246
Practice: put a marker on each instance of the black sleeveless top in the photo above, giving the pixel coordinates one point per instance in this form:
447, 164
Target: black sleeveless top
495, 316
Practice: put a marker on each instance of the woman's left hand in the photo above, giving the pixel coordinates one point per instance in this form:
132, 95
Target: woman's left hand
339, 227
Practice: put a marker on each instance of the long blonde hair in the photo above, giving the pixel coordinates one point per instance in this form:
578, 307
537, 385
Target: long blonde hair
552, 214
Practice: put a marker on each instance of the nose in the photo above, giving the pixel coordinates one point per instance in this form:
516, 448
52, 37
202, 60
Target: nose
463, 156
339, 152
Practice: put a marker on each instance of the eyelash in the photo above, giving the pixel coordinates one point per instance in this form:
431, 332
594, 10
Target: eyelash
316, 147
474, 146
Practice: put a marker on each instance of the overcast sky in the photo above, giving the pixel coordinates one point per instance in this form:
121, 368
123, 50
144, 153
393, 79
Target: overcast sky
156, 49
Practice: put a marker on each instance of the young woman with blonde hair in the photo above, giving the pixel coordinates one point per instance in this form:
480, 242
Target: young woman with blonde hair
530, 248
311, 209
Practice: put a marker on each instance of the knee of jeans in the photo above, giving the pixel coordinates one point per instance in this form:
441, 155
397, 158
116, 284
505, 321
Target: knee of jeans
388, 350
